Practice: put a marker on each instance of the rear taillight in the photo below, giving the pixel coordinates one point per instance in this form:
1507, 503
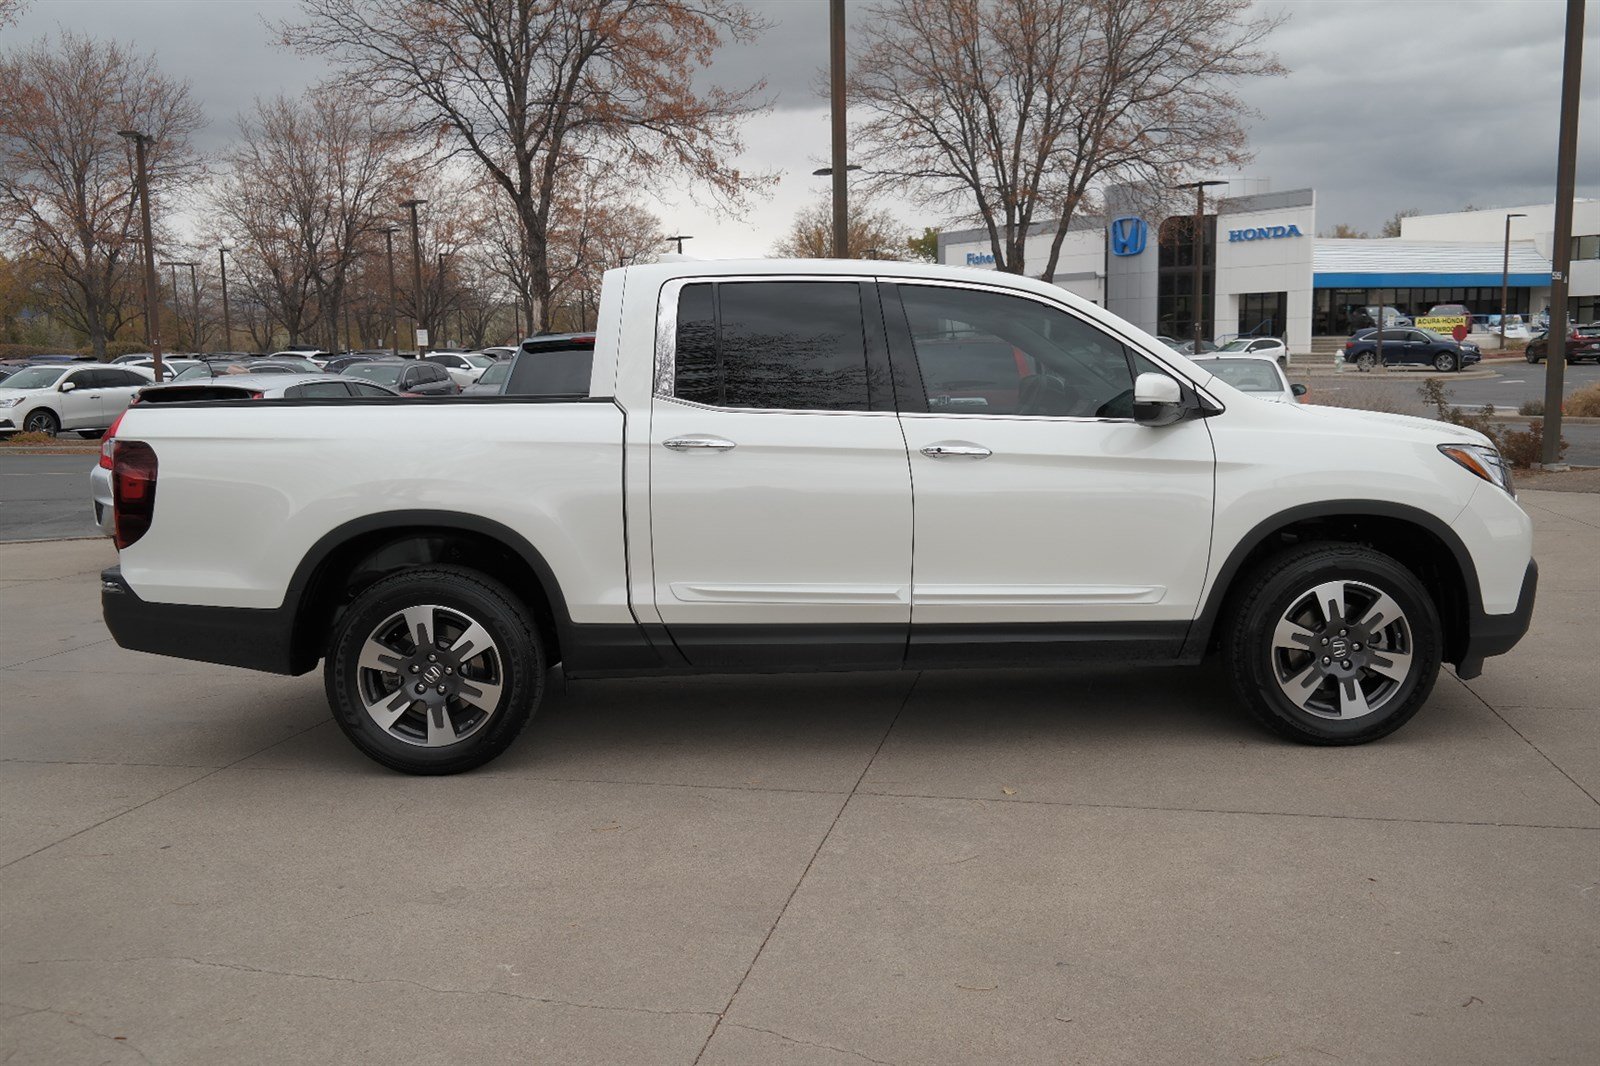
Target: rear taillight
133, 489
108, 442
257, 395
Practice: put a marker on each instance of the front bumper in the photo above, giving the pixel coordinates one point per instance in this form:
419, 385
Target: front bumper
1496, 634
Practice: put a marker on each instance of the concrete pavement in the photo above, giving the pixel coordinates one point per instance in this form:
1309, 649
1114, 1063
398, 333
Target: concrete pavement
1056, 866
45, 496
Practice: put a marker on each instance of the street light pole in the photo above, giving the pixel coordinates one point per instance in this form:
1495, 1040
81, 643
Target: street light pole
416, 273
1561, 254
680, 238
841, 187
152, 307
394, 310
227, 323
1199, 188
194, 284
1505, 278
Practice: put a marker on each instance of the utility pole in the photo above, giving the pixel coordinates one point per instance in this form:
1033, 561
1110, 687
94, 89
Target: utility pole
416, 275
227, 323
394, 309
1199, 188
841, 187
152, 292
194, 283
1505, 279
1566, 177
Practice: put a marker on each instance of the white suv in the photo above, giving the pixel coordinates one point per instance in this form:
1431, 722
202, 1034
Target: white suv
83, 397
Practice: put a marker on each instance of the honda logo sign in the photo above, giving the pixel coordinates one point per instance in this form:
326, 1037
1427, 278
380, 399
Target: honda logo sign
1129, 235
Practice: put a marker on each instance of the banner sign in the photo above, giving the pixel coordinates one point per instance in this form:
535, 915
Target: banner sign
1444, 325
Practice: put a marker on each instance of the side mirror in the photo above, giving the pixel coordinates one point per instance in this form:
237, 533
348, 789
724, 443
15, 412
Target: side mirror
67, 386
1298, 389
1157, 400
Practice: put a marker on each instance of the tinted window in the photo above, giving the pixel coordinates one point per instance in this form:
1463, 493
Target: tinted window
122, 379
321, 390
990, 353
367, 389
433, 373
553, 373
794, 345
387, 373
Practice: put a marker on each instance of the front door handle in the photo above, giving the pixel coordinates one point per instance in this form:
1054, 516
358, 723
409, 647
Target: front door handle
694, 444
951, 449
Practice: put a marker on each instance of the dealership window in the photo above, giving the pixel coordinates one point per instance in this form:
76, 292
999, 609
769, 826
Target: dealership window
1338, 312
1175, 278
1261, 314
1586, 246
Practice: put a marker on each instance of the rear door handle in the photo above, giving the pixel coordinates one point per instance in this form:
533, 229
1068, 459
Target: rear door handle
956, 449
698, 443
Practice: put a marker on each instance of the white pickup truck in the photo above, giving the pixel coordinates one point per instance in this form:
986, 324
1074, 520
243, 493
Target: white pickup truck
817, 465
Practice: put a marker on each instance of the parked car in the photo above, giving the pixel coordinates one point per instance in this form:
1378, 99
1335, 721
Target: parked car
492, 382
170, 368
84, 398
214, 368
310, 353
133, 357
756, 479
464, 368
1583, 342
297, 362
498, 353
336, 364
416, 377
1258, 375
1187, 347
1410, 346
1268, 346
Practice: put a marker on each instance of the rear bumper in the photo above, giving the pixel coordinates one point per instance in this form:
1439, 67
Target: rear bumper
1496, 634
252, 638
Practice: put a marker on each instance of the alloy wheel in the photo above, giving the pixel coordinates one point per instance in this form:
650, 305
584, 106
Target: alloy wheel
430, 675
1342, 650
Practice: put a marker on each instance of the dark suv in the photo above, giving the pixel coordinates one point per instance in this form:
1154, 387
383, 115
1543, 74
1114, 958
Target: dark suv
1410, 346
1582, 343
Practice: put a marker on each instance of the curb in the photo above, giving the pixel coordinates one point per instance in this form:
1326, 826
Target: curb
1380, 375
1566, 420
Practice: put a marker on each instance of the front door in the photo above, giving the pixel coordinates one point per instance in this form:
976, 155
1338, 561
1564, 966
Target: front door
780, 498
81, 406
1049, 525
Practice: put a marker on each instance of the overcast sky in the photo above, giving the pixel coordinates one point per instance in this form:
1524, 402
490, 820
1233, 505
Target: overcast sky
1389, 104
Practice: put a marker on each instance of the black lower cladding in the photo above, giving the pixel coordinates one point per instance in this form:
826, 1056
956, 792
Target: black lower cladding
1496, 634
253, 638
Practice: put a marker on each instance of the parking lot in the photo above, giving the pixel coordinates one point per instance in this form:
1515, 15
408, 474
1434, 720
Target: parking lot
1085, 866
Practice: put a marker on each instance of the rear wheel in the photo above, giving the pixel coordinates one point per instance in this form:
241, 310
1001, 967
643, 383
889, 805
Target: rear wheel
1333, 644
1444, 362
42, 420
1532, 358
435, 670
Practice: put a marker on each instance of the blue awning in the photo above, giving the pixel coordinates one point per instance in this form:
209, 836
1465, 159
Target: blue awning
1395, 280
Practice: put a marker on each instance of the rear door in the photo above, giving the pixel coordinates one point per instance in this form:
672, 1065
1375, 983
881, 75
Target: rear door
780, 495
1049, 525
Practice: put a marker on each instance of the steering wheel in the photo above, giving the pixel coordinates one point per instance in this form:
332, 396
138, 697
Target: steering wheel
1045, 394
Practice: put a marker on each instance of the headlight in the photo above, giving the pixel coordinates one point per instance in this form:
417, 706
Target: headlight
12, 401
1482, 460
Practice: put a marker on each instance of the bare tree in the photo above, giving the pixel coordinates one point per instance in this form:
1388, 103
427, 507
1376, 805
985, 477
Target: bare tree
1014, 112
307, 184
66, 178
523, 87
10, 9
872, 233
1391, 226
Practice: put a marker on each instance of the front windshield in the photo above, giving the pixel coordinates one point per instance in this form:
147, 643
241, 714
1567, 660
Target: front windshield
1246, 375
199, 370
380, 372
35, 377
480, 361
495, 374
1235, 346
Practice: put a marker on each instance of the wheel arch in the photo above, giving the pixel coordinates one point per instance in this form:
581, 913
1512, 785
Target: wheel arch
1418, 540
352, 556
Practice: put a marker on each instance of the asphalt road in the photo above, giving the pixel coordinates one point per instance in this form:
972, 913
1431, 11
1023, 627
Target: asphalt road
45, 496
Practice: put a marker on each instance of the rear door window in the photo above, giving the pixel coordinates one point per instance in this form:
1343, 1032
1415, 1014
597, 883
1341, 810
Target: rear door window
320, 390
773, 345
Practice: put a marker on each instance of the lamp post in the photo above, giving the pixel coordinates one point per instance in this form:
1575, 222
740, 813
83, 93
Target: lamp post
227, 323
1505, 278
841, 237
416, 274
394, 310
1199, 188
152, 308
1566, 178
841, 188
680, 238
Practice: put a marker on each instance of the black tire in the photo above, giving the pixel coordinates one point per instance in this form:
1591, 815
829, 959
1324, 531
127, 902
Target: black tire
1532, 358
514, 660
1446, 363
1366, 361
91, 434
41, 420
1262, 672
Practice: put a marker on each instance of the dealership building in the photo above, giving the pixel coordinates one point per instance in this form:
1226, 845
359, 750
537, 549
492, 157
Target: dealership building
1264, 270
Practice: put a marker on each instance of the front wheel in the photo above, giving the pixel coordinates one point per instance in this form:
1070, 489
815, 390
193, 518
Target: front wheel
1444, 362
1333, 644
435, 670
43, 421
1532, 358
1366, 361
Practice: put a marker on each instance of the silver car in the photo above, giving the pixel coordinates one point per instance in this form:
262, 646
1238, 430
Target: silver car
232, 387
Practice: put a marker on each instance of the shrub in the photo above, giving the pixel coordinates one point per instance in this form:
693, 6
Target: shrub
30, 438
116, 348
1519, 447
1531, 407
1584, 402
28, 351
1362, 397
